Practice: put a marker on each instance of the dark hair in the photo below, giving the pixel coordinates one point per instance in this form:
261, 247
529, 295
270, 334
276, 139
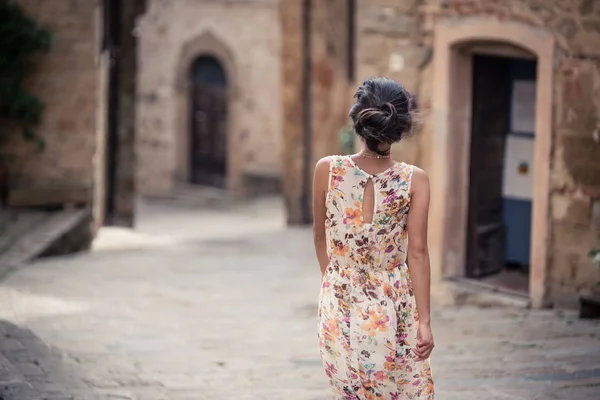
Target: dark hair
382, 112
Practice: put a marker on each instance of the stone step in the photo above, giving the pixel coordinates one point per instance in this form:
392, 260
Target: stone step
470, 292
39, 237
16, 222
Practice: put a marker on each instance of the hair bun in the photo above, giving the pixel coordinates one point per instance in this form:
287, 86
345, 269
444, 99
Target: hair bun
388, 108
381, 124
382, 112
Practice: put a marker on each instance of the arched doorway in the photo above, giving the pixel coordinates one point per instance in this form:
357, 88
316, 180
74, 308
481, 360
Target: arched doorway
208, 125
455, 75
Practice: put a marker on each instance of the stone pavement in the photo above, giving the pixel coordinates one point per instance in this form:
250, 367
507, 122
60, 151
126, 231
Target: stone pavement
199, 304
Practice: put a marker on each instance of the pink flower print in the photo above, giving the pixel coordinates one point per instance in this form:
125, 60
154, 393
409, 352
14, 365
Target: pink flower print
381, 376
330, 370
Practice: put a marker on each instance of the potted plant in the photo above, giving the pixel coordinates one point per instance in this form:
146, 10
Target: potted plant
21, 38
347, 140
589, 303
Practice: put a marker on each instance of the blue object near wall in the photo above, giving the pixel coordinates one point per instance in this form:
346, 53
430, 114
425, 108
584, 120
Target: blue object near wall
517, 220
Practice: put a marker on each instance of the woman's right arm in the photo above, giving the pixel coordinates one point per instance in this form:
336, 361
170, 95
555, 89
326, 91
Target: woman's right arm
320, 186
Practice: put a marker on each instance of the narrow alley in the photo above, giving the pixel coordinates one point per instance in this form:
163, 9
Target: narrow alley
221, 304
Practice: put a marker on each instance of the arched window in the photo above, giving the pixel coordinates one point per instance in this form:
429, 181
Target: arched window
207, 70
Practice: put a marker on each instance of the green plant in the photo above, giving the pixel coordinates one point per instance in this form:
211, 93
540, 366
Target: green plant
347, 140
20, 39
595, 256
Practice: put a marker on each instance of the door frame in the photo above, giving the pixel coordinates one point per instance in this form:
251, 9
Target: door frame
205, 44
450, 139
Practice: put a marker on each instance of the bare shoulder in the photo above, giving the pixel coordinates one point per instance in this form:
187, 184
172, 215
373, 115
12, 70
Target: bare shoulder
322, 167
419, 180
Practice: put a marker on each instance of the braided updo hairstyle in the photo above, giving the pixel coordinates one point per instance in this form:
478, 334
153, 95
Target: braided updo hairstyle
382, 113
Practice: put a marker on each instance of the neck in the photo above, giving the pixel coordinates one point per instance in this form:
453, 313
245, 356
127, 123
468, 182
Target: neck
382, 151
373, 155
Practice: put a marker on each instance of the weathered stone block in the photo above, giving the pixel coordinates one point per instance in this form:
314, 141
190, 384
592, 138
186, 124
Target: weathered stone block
587, 7
567, 27
581, 158
572, 238
575, 83
574, 210
564, 267
388, 21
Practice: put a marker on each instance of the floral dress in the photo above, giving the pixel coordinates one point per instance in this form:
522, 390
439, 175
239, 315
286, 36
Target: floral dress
367, 313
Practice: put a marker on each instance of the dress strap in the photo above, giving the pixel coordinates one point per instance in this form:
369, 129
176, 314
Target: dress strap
409, 173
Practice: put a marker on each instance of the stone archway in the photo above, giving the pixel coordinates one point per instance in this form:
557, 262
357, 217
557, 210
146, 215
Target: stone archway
450, 141
205, 45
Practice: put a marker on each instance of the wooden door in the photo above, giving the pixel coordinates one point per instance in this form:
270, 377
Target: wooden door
486, 231
209, 124
519, 163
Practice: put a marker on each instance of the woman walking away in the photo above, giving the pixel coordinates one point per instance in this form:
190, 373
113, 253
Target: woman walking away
370, 213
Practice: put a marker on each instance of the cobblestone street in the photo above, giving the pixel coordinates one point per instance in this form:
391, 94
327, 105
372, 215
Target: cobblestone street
221, 304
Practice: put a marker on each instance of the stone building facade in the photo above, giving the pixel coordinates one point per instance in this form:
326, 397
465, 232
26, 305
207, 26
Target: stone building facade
69, 72
562, 37
87, 84
68, 81
440, 49
184, 44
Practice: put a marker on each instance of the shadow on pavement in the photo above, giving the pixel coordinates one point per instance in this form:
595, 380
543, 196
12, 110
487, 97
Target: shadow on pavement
31, 370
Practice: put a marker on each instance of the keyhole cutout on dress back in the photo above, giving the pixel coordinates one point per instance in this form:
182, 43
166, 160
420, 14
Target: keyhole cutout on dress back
368, 204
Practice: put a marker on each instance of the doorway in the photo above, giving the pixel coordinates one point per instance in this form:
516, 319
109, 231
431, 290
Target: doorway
209, 122
501, 171
450, 137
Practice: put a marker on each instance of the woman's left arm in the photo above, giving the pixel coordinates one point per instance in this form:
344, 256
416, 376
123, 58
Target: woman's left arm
320, 186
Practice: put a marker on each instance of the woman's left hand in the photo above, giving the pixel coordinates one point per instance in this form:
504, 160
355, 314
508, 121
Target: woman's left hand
424, 342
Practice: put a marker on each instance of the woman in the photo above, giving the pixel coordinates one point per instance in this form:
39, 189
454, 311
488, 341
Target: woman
370, 212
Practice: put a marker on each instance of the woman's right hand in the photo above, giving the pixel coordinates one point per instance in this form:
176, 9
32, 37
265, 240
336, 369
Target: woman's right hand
424, 342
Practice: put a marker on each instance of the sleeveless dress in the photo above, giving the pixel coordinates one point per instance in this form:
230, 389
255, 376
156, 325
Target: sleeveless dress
367, 312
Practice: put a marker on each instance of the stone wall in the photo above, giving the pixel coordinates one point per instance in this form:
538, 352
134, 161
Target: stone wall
389, 44
66, 79
573, 22
245, 37
331, 89
316, 94
575, 183
293, 107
